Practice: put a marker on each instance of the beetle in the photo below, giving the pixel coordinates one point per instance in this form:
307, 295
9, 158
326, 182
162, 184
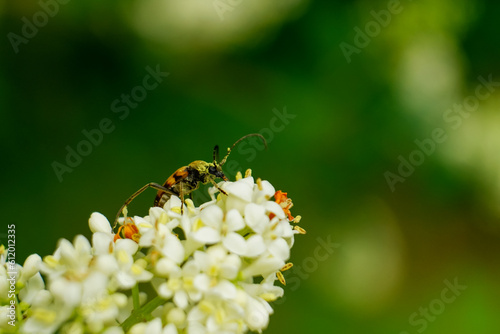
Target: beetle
188, 178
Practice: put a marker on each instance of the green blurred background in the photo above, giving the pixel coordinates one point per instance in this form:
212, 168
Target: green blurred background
352, 116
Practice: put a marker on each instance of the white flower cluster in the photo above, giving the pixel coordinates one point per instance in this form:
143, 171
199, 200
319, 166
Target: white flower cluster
209, 269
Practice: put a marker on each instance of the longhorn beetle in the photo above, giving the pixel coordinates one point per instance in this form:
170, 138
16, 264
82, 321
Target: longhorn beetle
187, 179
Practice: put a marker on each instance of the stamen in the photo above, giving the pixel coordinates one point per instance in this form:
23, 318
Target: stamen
259, 184
281, 278
287, 266
299, 229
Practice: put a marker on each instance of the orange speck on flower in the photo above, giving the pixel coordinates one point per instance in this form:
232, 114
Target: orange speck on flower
128, 231
281, 198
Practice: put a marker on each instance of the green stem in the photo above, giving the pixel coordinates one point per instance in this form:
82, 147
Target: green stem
142, 314
19, 313
135, 297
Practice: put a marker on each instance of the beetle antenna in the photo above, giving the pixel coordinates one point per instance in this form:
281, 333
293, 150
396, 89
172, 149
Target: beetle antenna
223, 161
216, 153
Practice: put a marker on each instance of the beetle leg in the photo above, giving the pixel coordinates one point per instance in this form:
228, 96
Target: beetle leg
181, 196
137, 193
217, 186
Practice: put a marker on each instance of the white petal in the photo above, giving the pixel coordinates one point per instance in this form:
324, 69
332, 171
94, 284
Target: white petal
154, 326
181, 299
143, 275
230, 267
186, 224
35, 287
164, 291
266, 192
155, 213
173, 202
42, 299
166, 266
257, 316
102, 243
173, 248
216, 254
225, 289
139, 328
190, 269
169, 329
236, 203
82, 245
106, 264
207, 235
202, 260
234, 220
255, 217
125, 280
99, 223
242, 189
31, 266
113, 330
127, 245
69, 292
94, 286
212, 216
195, 327
202, 282
235, 243
144, 224
286, 229
275, 208
255, 245
147, 237
67, 251
191, 245
279, 248
264, 265
176, 316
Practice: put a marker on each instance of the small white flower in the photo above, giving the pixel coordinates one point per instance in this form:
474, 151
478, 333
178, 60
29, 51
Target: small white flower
265, 289
102, 310
71, 260
162, 239
130, 271
213, 268
46, 320
184, 284
257, 313
30, 267
217, 263
99, 223
33, 287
